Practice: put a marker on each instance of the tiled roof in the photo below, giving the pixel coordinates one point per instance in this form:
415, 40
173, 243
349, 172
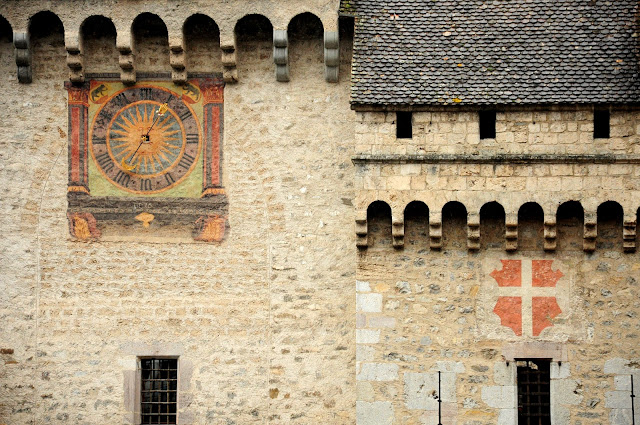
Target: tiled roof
435, 52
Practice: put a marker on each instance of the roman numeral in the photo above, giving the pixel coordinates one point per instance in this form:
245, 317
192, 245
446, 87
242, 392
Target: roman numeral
192, 138
105, 162
186, 114
145, 184
146, 93
122, 178
186, 161
99, 141
121, 99
169, 178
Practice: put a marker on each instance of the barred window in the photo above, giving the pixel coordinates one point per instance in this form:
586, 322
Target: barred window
534, 391
159, 391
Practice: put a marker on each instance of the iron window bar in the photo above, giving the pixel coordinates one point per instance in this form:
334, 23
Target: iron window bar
159, 391
534, 391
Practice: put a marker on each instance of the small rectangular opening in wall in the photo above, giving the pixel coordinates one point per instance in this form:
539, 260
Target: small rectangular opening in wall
158, 391
487, 124
534, 391
601, 123
404, 125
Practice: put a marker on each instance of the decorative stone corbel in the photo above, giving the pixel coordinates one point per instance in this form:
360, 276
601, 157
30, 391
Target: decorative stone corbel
511, 232
361, 229
124, 44
210, 228
23, 56
229, 58
435, 229
83, 226
629, 233
590, 231
75, 57
177, 58
281, 54
473, 231
397, 232
550, 233
331, 56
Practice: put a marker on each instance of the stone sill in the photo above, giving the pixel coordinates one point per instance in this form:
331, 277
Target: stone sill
141, 219
496, 159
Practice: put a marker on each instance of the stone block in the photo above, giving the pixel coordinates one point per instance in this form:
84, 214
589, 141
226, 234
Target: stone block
382, 322
622, 417
374, 413
564, 392
410, 169
623, 382
560, 415
618, 366
449, 366
618, 399
560, 370
367, 336
369, 303
362, 286
503, 374
421, 389
500, 397
507, 417
378, 372
365, 353
364, 391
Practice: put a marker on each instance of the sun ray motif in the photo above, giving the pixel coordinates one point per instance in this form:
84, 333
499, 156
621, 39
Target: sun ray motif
163, 147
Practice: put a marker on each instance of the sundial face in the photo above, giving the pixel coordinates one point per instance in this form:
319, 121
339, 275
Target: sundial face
139, 146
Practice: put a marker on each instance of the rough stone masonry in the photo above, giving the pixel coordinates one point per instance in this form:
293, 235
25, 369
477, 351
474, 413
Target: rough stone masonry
466, 255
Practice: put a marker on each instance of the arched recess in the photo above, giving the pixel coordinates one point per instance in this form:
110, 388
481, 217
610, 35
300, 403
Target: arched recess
454, 226
98, 36
570, 226
379, 224
151, 43
47, 46
254, 41
202, 41
416, 225
7, 59
306, 46
530, 227
610, 217
492, 226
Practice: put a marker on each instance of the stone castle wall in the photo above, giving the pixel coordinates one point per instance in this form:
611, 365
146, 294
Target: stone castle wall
263, 321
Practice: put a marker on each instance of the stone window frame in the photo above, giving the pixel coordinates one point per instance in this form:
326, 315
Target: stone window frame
559, 370
132, 379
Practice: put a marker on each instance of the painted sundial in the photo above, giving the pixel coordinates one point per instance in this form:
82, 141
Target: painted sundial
145, 139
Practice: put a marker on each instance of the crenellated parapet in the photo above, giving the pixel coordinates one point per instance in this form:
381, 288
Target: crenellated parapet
539, 198
324, 13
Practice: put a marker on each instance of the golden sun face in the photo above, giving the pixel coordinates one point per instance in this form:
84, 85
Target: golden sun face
145, 139
144, 142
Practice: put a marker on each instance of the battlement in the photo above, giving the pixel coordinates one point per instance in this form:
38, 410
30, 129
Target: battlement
530, 228
144, 35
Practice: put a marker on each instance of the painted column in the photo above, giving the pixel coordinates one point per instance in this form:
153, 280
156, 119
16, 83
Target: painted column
78, 136
213, 93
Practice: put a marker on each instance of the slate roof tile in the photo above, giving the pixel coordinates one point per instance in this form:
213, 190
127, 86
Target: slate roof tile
409, 52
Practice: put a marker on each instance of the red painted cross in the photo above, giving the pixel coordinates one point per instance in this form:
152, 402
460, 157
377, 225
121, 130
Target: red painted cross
527, 295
